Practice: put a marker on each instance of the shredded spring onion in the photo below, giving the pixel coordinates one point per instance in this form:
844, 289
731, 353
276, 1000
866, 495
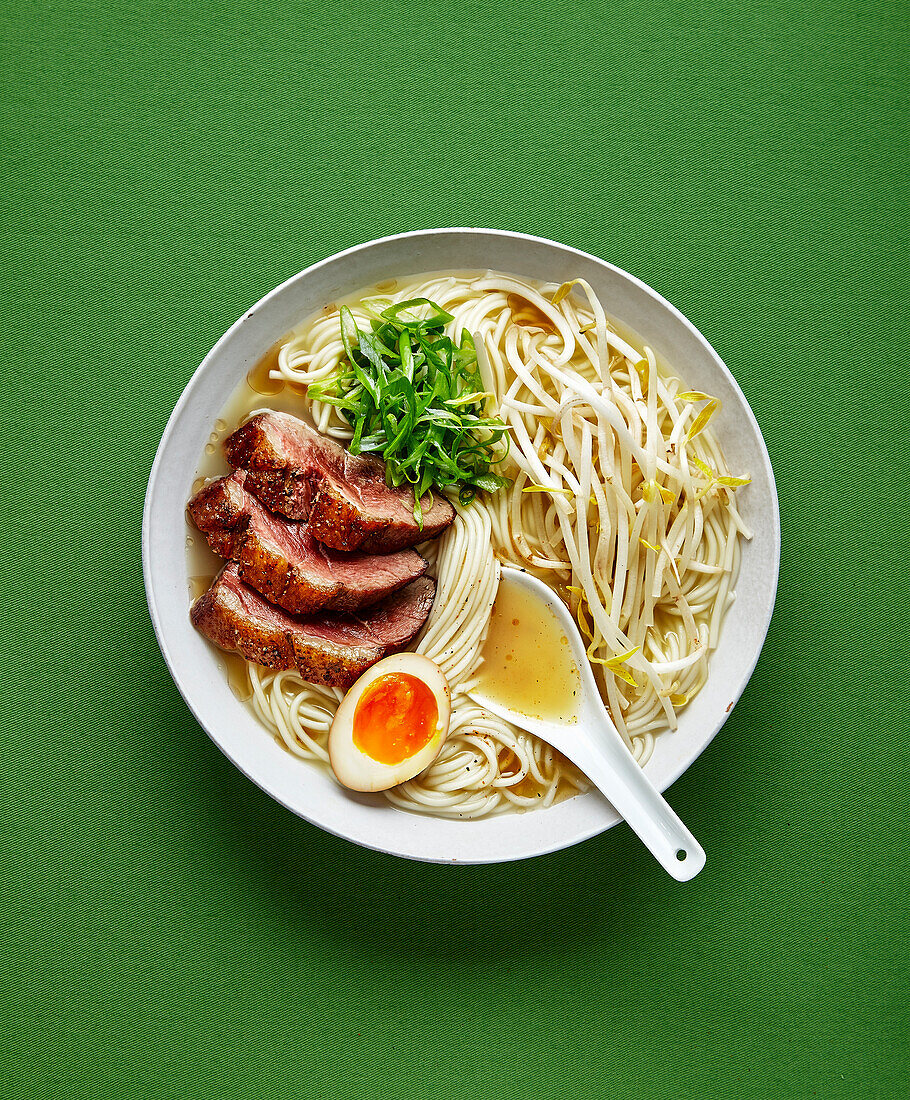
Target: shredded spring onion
415, 398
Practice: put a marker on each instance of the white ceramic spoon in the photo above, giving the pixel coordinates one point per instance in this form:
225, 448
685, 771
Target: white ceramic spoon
587, 736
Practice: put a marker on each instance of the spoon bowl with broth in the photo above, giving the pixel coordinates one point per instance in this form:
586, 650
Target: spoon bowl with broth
535, 674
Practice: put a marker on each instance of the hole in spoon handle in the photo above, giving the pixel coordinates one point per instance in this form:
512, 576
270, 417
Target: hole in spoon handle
671, 843
690, 858
678, 852
645, 809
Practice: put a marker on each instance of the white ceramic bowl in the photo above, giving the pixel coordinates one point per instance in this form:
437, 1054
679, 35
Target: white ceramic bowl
308, 790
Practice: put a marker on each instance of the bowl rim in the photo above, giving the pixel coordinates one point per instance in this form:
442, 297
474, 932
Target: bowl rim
556, 841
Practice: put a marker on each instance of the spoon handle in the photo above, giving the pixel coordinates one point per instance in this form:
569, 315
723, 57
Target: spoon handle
613, 770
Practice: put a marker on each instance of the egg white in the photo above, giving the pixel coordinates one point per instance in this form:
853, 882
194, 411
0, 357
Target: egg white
357, 770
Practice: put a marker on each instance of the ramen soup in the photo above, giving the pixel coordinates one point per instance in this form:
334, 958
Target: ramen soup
607, 482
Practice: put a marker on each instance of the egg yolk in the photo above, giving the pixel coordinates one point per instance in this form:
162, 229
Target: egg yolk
395, 718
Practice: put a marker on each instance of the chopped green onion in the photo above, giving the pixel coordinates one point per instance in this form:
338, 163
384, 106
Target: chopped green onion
417, 400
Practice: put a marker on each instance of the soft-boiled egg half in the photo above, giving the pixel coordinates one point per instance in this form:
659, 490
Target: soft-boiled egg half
391, 724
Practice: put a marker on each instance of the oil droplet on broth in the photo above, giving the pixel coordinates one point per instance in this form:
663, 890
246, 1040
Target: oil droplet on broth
210, 448
527, 663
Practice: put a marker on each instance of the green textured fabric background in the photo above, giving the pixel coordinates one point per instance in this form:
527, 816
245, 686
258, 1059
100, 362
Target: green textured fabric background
168, 931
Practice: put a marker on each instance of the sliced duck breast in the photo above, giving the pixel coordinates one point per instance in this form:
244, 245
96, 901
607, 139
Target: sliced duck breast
285, 562
329, 649
296, 471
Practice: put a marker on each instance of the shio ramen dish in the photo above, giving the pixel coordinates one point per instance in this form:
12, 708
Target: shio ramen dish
364, 484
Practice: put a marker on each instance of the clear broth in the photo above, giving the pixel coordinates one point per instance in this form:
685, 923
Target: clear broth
527, 662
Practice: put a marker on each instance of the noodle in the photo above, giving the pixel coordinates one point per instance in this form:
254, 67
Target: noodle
609, 505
